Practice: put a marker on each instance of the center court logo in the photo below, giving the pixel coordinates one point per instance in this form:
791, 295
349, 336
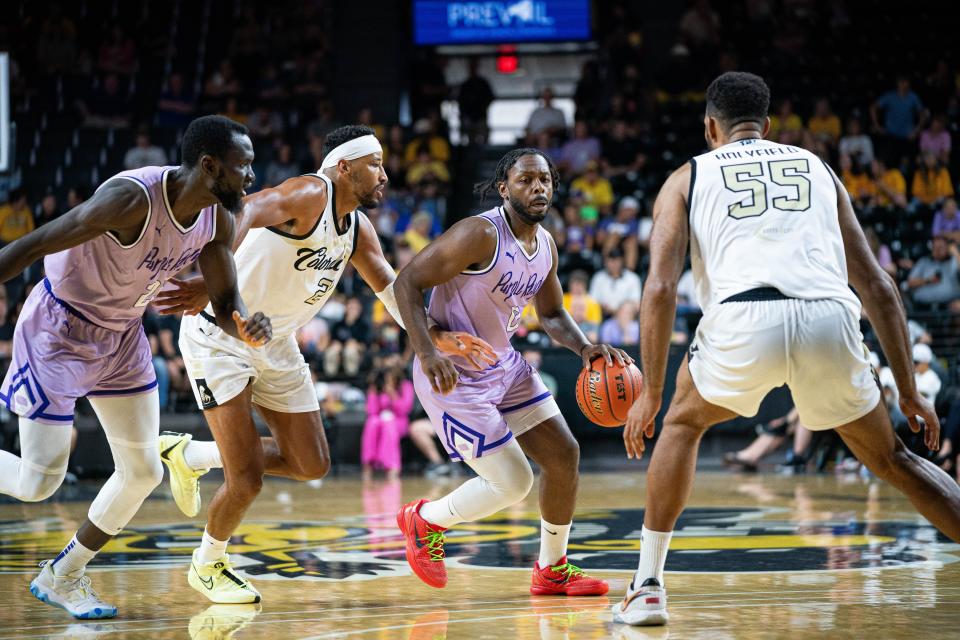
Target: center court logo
723, 540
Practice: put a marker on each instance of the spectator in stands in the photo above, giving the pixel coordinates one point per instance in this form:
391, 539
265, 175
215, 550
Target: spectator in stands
546, 117
151, 327
143, 153
931, 182
423, 435
700, 26
880, 251
928, 382
425, 167
107, 106
889, 184
349, 339
269, 85
265, 123
936, 139
857, 182
898, 116
222, 83
389, 402
282, 167
118, 53
474, 98
613, 285
313, 339
77, 194
594, 190
231, 110
785, 125
56, 42
16, 219
579, 150
418, 234
49, 210
855, 144
585, 311
176, 105
824, 124
621, 232
623, 328
946, 222
426, 137
623, 159
934, 278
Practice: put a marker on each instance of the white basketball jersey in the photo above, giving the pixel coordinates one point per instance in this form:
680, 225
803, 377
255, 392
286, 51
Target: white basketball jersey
764, 214
288, 277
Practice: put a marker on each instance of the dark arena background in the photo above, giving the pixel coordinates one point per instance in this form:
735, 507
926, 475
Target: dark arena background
786, 535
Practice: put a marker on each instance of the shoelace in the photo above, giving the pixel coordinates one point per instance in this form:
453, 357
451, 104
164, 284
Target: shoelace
568, 570
434, 543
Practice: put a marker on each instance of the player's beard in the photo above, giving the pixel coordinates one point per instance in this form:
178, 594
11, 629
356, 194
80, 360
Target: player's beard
529, 217
369, 201
232, 201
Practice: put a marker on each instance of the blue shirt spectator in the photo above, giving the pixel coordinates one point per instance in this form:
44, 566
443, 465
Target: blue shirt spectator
902, 110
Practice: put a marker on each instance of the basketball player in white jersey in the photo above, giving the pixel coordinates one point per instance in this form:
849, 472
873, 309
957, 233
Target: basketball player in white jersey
775, 247
294, 242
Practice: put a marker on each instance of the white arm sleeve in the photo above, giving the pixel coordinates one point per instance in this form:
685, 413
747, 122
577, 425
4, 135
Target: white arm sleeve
389, 300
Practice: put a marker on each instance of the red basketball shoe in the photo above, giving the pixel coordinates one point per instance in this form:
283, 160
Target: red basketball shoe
424, 545
564, 579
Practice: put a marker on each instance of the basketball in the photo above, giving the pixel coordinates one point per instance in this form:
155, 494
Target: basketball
605, 392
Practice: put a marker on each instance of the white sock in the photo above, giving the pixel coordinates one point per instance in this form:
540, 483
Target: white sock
442, 512
653, 555
74, 557
553, 542
210, 548
202, 455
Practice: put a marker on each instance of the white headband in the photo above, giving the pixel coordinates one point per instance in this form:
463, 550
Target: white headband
351, 150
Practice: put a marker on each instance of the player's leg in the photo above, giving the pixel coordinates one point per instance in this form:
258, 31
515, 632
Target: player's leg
552, 446
424, 437
235, 433
130, 424
38, 471
298, 449
931, 490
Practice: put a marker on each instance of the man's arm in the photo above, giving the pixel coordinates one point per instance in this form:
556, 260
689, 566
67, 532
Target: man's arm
297, 200
884, 309
668, 249
119, 205
220, 274
469, 243
558, 324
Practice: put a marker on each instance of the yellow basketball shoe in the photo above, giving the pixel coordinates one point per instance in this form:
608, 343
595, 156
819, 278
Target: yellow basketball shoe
184, 479
219, 583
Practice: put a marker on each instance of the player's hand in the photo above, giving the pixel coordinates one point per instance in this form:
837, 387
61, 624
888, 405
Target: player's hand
188, 297
256, 330
460, 343
441, 372
641, 421
593, 351
917, 409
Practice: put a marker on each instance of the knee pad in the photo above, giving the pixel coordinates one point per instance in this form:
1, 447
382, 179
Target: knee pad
138, 472
36, 484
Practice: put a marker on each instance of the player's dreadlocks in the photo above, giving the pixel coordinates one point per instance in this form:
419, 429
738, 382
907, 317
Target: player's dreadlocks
510, 158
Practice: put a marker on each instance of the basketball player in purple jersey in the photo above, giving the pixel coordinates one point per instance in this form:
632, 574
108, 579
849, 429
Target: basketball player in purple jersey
484, 271
80, 332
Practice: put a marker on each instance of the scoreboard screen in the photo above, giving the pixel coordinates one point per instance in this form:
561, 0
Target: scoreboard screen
442, 22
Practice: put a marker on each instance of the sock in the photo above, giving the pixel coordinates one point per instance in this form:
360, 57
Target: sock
74, 557
441, 512
653, 555
202, 455
210, 548
553, 542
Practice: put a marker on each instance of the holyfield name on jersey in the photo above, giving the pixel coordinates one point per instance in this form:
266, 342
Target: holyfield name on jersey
755, 153
510, 287
156, 264
317, 259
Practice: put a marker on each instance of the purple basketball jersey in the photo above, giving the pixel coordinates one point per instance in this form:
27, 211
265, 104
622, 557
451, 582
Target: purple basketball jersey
479, 416
488, 303
111, 284
80, 331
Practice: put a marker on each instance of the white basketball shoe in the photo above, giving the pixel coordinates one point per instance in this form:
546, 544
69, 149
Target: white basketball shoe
646, 606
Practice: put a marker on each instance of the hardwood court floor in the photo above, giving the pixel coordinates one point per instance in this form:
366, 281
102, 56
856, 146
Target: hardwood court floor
755, 557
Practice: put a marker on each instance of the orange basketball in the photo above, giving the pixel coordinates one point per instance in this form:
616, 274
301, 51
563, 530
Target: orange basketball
606, 393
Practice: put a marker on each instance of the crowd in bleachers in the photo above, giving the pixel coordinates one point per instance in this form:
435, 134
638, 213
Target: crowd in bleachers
88, 103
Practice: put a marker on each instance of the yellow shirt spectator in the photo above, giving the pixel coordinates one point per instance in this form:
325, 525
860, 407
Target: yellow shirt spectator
14, 223
931, 186
598, 192
859, 186
825, 127
778, 126
592, 314
439, 149
894, 181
